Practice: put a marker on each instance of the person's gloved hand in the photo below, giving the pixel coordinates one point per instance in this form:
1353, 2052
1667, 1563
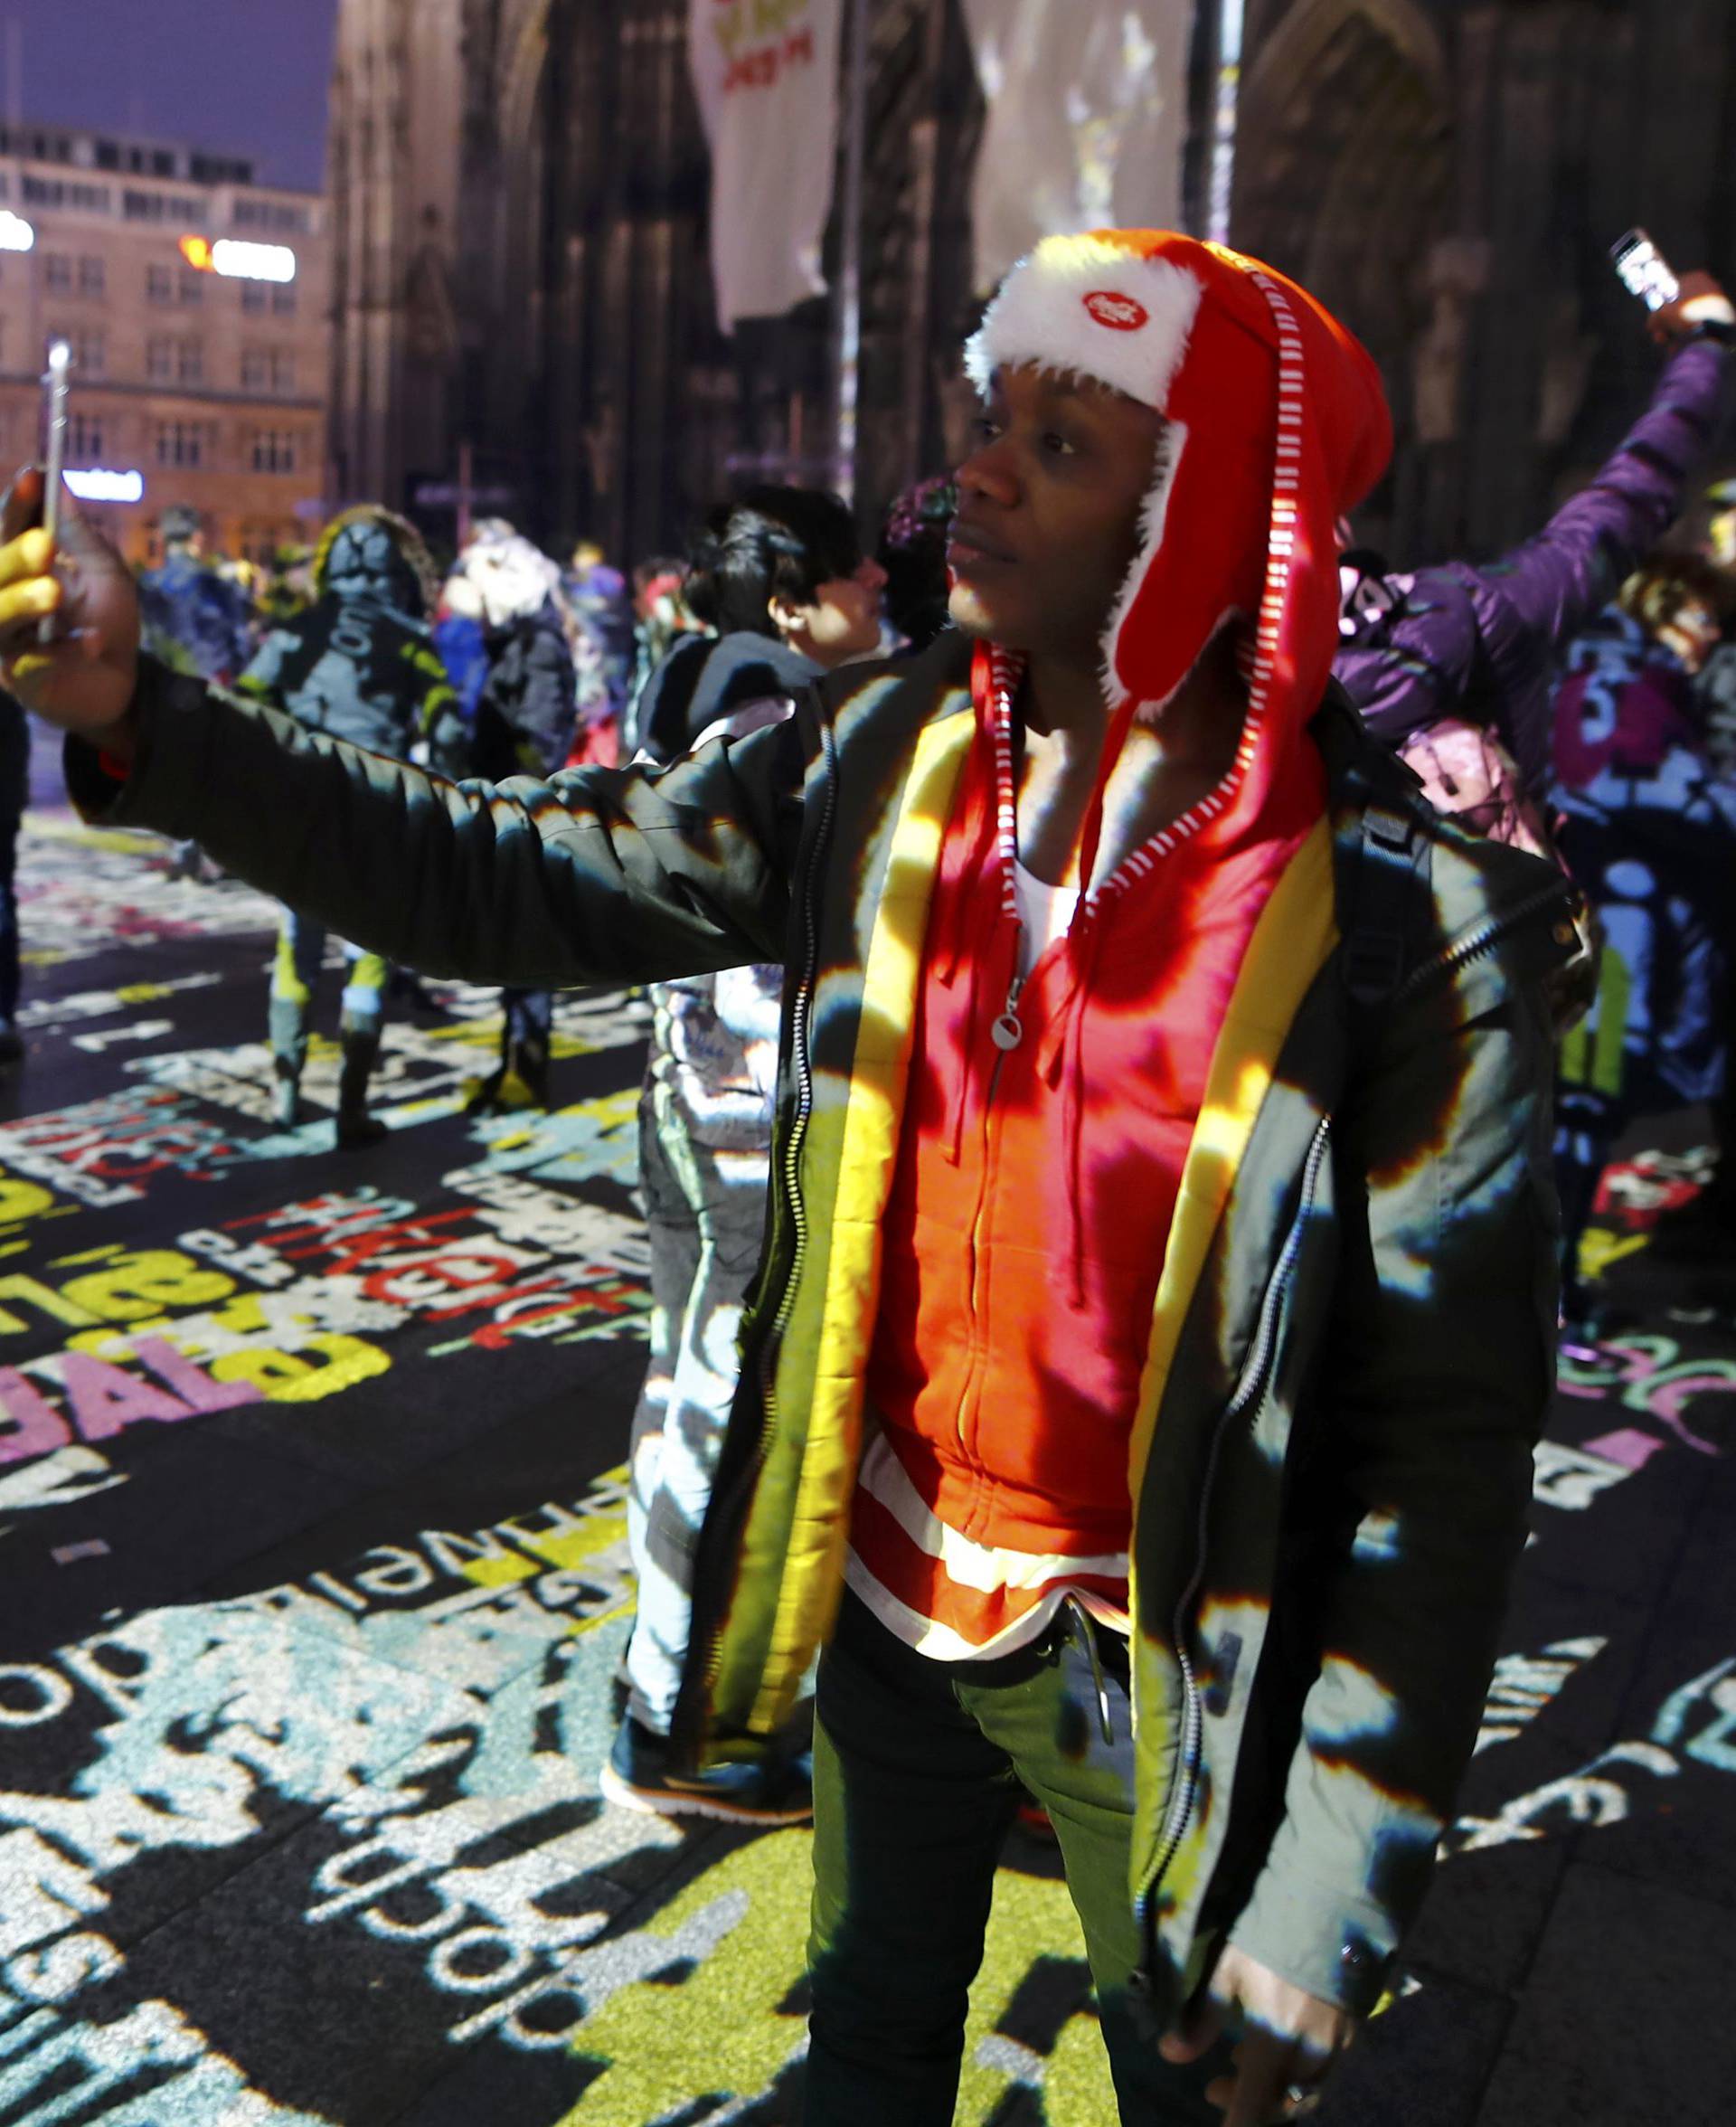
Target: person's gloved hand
1703, 301
85, 679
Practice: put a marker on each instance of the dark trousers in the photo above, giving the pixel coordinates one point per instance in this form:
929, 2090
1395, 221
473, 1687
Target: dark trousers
917, 1771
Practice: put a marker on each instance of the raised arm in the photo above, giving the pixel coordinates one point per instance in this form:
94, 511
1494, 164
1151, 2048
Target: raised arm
1573, 567
591, 877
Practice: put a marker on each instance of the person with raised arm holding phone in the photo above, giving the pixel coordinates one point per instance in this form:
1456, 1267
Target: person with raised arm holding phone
1156, 1317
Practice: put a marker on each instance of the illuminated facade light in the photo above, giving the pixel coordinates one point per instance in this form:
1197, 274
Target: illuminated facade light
99, 484
16, 233
236, 261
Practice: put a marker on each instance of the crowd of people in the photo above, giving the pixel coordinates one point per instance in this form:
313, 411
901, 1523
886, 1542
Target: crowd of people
971, 869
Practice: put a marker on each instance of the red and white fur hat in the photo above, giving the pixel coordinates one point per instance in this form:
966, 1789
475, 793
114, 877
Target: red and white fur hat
1276, 424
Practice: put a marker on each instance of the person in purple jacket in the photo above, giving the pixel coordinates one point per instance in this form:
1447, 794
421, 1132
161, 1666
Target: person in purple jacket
1480, 646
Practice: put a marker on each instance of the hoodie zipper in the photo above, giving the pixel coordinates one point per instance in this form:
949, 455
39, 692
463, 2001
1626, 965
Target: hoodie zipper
1255, 1376
1008, 1033
790, 1171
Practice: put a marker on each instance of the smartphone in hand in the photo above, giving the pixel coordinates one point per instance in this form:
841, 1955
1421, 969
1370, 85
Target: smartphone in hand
56, 389
1644, 271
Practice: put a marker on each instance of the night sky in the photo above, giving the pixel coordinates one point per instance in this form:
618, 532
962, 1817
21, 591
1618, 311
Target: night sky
249, 76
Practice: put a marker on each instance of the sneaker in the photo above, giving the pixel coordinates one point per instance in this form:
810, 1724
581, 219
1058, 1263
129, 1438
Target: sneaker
638, 1777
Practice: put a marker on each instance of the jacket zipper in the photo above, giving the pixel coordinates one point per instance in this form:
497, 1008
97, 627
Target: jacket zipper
1483, 939
792, 1167
1249, 1390
790, 1173
1008, 1033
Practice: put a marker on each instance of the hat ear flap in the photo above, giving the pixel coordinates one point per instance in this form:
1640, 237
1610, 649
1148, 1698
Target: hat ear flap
1204, 527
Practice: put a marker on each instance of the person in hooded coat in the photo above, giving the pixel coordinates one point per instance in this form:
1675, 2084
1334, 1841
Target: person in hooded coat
358, 665
1156, 1320
782, 578
527, 711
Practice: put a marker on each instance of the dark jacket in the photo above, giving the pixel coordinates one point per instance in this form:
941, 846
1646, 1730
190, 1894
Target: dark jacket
364, 672
360, 662
1351, 1349
528, 706
193, 619
1483, 643
707, 677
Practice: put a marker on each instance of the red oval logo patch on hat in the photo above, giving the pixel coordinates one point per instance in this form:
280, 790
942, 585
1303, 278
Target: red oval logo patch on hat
1119, 313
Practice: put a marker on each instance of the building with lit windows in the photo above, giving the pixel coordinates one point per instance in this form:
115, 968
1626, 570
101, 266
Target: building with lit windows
195, 302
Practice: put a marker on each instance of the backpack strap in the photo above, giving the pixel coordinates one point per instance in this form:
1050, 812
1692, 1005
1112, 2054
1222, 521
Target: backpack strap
1383, 881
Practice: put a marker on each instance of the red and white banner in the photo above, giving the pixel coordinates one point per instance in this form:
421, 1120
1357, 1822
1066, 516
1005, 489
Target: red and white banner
1087, 120
766, 75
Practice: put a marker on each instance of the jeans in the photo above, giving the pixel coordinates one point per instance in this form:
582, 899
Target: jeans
917, 1766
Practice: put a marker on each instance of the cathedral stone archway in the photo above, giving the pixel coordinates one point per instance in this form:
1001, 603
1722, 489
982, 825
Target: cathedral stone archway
1344, 180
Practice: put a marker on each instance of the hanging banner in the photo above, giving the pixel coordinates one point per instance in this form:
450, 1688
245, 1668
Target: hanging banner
766, 76
1087, 121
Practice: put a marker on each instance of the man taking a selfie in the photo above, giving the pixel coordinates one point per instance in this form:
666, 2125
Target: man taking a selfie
1157, 1310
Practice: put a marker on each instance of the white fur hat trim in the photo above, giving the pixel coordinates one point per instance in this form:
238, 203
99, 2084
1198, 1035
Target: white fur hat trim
1083, 304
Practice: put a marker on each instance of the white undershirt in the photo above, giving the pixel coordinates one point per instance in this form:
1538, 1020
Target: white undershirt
1045, 914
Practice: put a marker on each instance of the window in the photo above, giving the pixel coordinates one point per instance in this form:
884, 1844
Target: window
84, 438
254, 299
169, 360
183, 442
274, 450
164, 206
57, 273
193, 285
159, 285
269, 369
256, 213
55, 192
283, 301
93, 277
